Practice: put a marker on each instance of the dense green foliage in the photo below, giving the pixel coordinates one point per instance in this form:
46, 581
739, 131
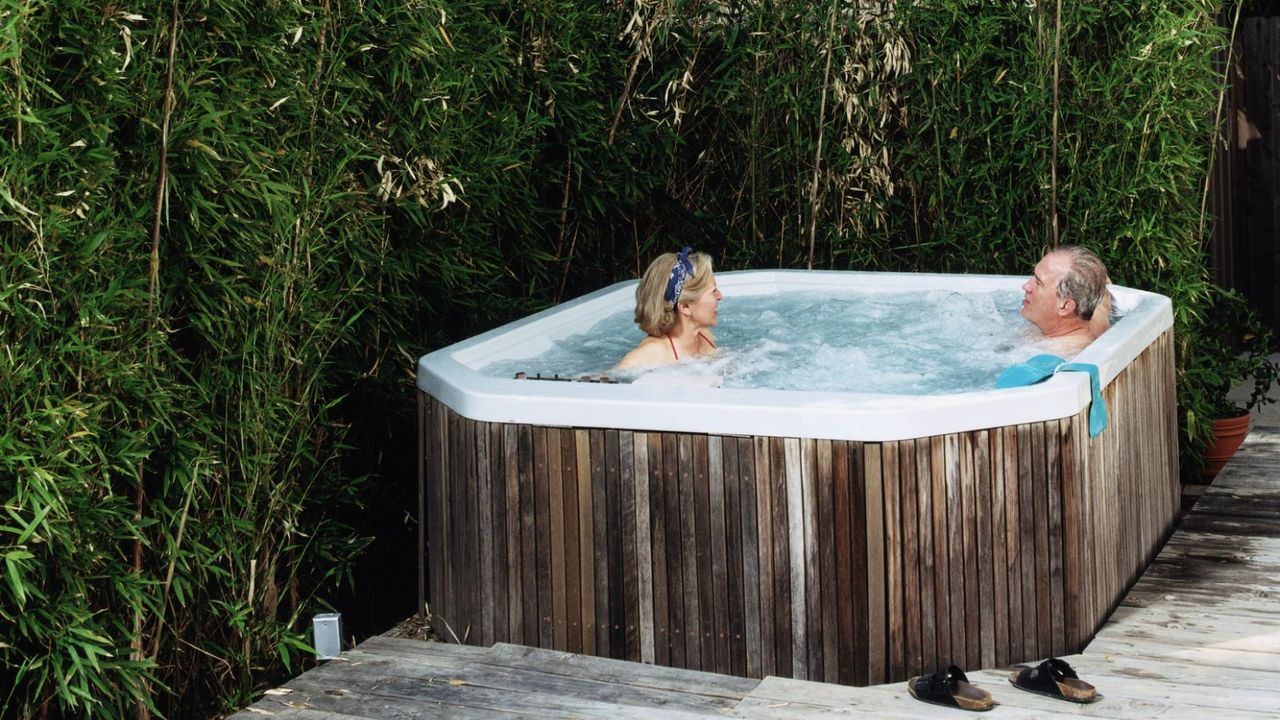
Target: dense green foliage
351, 183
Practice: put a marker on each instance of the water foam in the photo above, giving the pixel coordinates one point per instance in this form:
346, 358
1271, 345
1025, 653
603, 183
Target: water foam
930, 343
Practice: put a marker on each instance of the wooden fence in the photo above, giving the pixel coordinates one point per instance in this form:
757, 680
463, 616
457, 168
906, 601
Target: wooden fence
1244, 187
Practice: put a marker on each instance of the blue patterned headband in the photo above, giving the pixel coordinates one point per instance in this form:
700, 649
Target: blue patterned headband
680, 274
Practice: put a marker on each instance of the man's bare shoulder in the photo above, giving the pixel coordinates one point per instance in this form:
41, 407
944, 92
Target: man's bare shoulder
1066, 347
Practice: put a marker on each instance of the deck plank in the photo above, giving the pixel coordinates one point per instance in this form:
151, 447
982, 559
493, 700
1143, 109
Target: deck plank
487, 691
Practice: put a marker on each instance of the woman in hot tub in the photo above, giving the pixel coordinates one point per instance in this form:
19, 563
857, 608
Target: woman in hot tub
675, 307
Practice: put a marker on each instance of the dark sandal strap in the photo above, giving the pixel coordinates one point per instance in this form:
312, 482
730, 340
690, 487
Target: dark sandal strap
1055, 678
950, 687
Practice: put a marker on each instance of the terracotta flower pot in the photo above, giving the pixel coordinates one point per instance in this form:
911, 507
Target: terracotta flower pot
1228, 433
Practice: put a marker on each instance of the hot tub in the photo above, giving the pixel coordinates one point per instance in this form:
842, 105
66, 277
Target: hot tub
849, 537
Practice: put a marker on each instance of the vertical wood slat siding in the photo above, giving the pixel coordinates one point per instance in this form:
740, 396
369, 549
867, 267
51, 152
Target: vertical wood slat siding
609, 535
953, 509
498, 564
555, 509
941, 535
630, 543
825, 519
911, 569
424, 414
544, 581
753, 585
572, 536
433, 506
795, 557
644, 553
859, 599
675, 567
734, 645
842, 557
719, 541
1040, 540
705, 638
504, 451
984, 548
852, 562
999, 553
586, 534
613, 521
528, 544
657, 524
1013, 546
782, 594
484, 511
929, 656
875, 593
895, 601
764, 555
1071, 545
969, 557
688, 597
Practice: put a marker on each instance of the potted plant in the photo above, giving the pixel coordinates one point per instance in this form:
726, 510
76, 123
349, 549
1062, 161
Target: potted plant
1229, 346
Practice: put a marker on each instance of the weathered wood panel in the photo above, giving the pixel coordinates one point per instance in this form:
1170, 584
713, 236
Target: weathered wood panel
1245, 255
849, 562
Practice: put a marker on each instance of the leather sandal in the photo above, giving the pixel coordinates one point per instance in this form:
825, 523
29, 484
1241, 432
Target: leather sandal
1054, 678
951, 688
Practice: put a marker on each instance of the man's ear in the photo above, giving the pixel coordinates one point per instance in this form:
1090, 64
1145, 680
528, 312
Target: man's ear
1067, 307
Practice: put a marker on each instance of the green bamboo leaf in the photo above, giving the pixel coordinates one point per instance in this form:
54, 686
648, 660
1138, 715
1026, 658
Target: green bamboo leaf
16, 583
30, 528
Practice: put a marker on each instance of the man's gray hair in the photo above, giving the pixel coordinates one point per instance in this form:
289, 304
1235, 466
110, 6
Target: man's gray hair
1085, 282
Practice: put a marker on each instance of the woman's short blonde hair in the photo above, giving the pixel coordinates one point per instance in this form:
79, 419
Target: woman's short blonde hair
654, 314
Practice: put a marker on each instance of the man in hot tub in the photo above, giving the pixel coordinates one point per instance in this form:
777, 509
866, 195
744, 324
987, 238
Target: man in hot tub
1066, 298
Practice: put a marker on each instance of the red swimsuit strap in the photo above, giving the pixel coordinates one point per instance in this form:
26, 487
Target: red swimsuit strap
703, 337
700, 335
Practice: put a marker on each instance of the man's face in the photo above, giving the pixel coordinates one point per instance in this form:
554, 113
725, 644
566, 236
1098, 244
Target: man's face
1040, 302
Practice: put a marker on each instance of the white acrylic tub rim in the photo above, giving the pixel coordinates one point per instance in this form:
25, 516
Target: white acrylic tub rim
450, 374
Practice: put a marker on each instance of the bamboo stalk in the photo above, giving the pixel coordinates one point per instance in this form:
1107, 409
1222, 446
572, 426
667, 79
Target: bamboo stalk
564, 221
822, 119
1053, 165
153, 277
141, 710
168, 576
631, 76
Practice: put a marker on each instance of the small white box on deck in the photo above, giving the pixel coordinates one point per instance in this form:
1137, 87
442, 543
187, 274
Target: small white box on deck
327, 628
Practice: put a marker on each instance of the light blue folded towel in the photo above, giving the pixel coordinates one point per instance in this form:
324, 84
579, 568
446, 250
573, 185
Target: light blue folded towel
1042, 367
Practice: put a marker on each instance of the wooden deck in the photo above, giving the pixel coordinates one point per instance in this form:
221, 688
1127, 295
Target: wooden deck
1197, 636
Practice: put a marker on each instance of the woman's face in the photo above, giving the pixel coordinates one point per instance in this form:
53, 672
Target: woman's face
703, 312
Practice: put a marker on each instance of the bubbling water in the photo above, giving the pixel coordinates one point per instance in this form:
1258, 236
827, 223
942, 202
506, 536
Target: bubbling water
913, 343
